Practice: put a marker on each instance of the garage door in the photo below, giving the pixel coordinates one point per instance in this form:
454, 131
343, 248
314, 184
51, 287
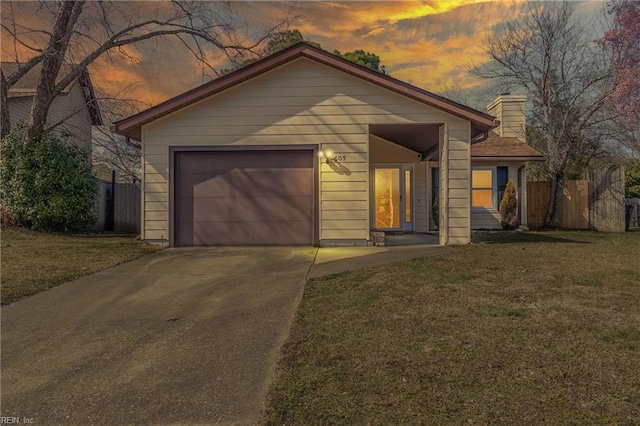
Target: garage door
228, 198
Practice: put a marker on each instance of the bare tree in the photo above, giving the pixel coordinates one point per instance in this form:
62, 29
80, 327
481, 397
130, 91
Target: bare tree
552, 58
81, 32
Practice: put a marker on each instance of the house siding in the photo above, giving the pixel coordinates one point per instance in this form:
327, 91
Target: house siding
510, 111
70, 107
455, 181
300, 103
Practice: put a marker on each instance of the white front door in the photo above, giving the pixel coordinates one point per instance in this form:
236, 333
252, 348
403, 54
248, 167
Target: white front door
392, 197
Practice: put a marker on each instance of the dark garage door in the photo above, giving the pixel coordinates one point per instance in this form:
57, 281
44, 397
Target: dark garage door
228, 198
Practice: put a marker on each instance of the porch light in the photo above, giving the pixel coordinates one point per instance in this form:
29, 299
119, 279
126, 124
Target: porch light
327, 154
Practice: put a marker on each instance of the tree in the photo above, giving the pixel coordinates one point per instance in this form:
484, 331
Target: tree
547, 55
632, 182
509, 207
366, 59
82, 32
283, 39
623, 40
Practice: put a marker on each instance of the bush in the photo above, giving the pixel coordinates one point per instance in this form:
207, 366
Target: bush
435, 211
47, 184
632, 182
509, 207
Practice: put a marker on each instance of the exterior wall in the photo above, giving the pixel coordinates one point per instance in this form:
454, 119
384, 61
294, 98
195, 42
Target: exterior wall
490, 219
383, 151
510, 110
302, 102
455, 184
69, 107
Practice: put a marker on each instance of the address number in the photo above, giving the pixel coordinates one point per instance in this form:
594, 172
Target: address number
340, 158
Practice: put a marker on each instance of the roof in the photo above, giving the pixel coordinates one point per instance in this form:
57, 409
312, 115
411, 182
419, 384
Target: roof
131, 126
496, 147
26, 86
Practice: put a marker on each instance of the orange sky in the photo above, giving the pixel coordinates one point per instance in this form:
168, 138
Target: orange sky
431, 44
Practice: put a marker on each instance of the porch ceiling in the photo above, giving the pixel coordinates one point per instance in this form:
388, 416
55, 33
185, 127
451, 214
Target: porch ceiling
421, 138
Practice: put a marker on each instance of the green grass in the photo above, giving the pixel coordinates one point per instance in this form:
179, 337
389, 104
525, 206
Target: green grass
518, 328
33, 262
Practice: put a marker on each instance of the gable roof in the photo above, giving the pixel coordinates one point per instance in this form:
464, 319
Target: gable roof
131, 126
496, 147
26, 86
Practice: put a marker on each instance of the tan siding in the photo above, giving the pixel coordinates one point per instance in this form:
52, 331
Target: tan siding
510, 111
455, 199
300, 103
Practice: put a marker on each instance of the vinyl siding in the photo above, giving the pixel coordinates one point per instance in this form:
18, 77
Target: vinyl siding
490, 219
69, 107
510, 110
455, 184
300, 103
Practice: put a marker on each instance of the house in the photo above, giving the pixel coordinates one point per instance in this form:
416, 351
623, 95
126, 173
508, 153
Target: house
75, 108
303, 147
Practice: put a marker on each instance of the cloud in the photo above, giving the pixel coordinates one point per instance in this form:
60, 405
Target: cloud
432, 44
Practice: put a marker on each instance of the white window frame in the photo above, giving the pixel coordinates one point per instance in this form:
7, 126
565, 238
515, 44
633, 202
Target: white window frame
494, 188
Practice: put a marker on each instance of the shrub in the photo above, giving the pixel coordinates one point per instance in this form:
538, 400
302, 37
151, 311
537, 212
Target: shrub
632, 182
435, 211
509, 207
47, 184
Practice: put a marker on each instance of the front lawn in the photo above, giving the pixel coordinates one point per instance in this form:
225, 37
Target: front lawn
33, 262
518, 328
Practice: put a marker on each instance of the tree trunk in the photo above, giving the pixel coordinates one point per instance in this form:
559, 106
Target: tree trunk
553, 218
68, 13
4, 107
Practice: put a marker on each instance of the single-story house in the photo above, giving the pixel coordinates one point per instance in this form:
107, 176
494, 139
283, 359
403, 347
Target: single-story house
303, 147
74, 110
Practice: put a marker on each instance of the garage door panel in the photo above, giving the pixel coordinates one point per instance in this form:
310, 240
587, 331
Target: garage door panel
245, 233
244, 198
220, 162
250, 183
246, 209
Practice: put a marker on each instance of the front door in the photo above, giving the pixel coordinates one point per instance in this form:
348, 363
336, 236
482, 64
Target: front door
393, 197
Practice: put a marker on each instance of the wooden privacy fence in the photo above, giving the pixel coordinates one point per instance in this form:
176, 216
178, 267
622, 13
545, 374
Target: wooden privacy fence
595, 202
118, 207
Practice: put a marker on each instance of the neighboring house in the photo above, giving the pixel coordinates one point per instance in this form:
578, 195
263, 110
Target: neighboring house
303, 147
76, 107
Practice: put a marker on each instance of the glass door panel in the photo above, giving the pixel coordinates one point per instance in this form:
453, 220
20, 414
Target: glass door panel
393, 197
388, 198
407, 198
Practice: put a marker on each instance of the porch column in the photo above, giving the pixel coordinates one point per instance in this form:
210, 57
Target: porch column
455, 183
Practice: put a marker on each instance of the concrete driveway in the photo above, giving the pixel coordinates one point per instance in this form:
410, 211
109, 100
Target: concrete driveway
180, 336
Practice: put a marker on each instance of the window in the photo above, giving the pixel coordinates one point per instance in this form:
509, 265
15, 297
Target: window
483, 188
435, 183
503, 177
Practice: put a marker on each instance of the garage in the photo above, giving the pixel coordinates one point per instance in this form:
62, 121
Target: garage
244, 198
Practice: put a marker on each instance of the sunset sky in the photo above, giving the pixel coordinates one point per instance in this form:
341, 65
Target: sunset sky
431, 44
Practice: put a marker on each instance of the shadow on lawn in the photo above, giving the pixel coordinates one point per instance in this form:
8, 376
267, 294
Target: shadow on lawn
509, 237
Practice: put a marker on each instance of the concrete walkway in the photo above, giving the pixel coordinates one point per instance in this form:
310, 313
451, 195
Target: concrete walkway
333, 260
181, 336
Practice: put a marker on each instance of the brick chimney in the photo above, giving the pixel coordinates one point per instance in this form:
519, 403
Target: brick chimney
510, 111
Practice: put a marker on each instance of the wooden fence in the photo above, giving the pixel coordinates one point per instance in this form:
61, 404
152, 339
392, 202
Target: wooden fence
596, 202
634, 204
118, 207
